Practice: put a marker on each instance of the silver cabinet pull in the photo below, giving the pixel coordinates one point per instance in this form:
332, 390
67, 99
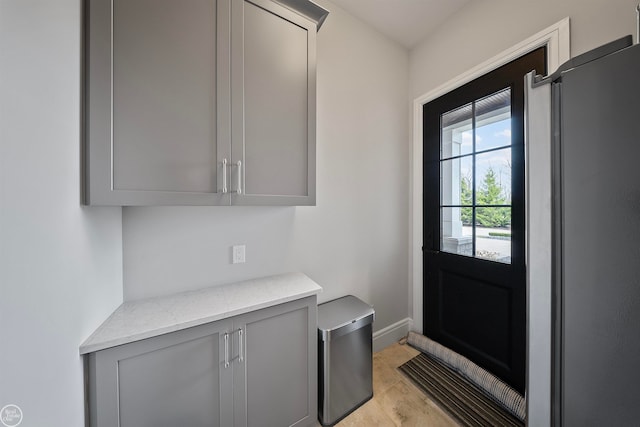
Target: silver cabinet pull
224, 176
226, 350
239, 166
240, 346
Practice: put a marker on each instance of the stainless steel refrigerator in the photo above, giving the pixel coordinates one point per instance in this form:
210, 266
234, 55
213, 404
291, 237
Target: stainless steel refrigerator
595, 238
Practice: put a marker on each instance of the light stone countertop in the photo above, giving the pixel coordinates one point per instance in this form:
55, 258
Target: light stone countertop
137, 320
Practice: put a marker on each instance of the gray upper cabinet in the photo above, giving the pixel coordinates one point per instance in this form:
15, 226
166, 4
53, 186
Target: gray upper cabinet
273, 104
200, 102
157, 106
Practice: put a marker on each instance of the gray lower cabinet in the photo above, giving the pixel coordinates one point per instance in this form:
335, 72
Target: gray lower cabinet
170, 380
199, 102
276, 385
256, 369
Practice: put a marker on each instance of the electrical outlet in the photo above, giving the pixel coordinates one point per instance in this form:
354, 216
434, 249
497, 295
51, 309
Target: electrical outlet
238, 254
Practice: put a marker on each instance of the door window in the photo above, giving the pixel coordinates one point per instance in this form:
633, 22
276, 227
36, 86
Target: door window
475, 178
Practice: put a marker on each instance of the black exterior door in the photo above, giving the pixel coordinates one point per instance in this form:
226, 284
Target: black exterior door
474, 219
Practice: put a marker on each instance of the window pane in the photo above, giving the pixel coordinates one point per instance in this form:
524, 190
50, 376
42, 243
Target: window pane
456, 181
456, 237
493, 177
493, 121
457, 132
493, 241
483, 165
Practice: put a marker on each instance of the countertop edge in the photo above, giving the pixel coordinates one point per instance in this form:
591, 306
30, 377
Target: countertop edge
94, 342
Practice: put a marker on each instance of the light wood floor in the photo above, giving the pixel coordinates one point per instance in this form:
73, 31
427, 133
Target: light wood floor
396, 401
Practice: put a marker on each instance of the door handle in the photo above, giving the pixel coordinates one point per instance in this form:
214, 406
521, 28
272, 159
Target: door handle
240, 346
226, 350
239, 181
432, 252
224, 176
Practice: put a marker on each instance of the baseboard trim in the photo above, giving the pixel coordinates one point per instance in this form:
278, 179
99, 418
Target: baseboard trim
391, 334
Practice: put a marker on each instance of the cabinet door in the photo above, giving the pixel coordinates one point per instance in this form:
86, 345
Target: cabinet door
157, 125
273, 103
177, 379
275, 380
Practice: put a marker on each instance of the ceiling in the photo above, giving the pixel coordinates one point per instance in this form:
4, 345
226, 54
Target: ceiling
406, 21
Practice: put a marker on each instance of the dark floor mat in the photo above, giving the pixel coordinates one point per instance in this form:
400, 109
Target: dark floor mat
455, 394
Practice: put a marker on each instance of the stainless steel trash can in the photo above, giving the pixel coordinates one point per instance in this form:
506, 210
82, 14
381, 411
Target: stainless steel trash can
345, 357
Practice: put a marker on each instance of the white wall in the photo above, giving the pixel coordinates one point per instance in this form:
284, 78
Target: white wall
485, 28
60, 264
354, 241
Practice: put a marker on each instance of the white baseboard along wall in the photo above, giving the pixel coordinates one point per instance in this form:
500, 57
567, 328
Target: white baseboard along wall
391, 334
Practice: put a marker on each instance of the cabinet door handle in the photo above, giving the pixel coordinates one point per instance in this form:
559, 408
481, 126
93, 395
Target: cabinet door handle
226, 350
240, 346
224, 176
239, 167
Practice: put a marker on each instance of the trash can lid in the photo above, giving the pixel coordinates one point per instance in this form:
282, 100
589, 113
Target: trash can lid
342, 311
